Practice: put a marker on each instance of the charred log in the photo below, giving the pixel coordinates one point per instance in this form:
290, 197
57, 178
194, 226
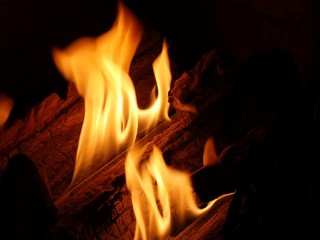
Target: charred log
262, 135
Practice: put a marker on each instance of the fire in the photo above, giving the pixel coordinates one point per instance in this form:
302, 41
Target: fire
6, 105
99, 68
162, 197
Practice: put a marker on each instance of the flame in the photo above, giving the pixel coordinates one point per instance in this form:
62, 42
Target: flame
162, 197
99, 67
210, 156
6, 105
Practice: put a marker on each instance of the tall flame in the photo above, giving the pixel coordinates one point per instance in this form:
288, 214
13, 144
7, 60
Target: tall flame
99, 67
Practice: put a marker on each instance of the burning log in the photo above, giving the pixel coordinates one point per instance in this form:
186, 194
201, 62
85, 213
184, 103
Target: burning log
106, 189
209, 225
101, 204
49, 132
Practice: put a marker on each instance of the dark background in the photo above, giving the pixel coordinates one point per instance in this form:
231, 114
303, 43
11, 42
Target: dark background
29, 30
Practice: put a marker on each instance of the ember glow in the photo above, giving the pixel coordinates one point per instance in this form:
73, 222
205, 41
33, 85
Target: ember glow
99, 67
6, 105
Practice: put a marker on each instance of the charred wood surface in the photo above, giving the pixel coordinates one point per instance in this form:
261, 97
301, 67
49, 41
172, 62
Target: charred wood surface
262, 136
209, 225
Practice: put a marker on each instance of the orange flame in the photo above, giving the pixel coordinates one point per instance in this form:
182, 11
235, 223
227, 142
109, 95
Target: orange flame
162, 197
99, 67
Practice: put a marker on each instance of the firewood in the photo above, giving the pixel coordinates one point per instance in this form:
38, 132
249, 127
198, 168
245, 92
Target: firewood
101, 205
192, 91
256, 156
103, 190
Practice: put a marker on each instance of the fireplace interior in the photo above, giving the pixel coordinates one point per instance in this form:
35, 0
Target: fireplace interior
243, 72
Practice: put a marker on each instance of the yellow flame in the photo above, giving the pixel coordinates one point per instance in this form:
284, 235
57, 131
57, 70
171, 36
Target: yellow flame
6, 105
99, 67
162, 197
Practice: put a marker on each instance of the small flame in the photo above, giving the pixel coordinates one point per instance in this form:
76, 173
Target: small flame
210, 156
6, 105
99, 67
162, 197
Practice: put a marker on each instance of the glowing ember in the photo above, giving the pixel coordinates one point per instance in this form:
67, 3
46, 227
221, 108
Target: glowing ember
6, 105
99, 67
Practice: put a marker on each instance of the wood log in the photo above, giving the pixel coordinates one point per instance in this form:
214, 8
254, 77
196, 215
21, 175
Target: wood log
255, 152
209, 225
215, 103
106, 187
